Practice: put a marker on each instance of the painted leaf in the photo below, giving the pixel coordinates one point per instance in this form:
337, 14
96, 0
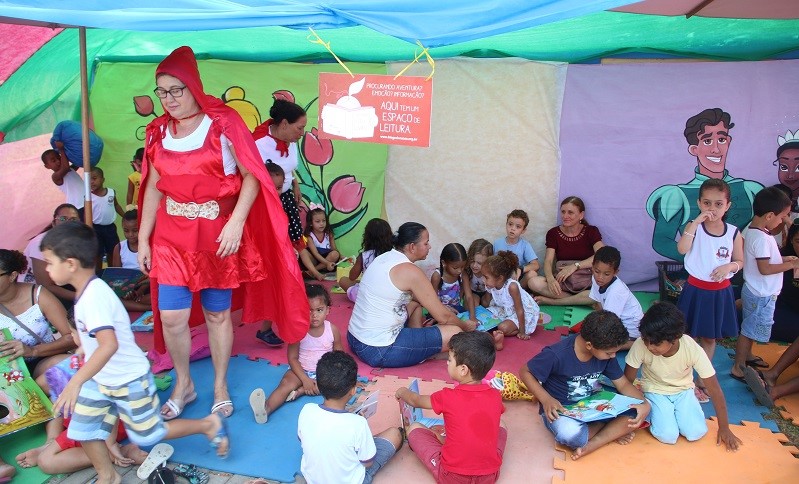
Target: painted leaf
356, 86
346, 225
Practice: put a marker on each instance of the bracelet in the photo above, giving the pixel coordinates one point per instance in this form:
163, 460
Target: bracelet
738, 266
689, 234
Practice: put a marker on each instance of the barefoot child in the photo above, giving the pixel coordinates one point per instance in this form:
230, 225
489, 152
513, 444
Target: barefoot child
300, 379
569, 371
448, 280
668, 357
116, 374
323, 244
471, 452
125, 256
612, 294
515, 227
376, 241
337, 446
479, 251
510, 303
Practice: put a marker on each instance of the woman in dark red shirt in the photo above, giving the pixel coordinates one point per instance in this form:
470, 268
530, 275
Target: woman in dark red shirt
569, 256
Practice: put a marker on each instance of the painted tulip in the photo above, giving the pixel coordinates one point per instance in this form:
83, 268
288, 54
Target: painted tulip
345, 193
303, 209
284, 95
144, 105
316, 150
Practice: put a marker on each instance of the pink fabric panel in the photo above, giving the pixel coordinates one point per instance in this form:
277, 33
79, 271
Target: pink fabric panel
18, 43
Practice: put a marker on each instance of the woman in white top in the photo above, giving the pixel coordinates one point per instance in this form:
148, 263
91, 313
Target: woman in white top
377, 331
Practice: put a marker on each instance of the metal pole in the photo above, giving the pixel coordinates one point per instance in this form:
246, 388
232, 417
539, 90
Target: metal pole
84, 119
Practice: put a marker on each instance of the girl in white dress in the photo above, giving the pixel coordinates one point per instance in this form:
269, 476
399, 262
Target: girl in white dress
509, 302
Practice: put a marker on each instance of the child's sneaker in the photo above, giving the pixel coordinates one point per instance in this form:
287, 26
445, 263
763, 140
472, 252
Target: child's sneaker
269, 338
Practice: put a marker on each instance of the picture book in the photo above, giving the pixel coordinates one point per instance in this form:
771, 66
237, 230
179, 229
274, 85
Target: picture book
485, 320
143, 323
369, 406
409, 414
599, 406
22, 402
121, 280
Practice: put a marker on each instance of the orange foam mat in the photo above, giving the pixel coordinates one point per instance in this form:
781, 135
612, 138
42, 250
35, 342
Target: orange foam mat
762, 458
771, 353
528, 455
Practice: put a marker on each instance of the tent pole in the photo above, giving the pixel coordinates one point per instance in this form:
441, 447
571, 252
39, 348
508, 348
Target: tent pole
84, 119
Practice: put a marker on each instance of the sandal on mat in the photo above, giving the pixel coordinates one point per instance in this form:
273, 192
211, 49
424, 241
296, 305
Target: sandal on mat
191, 473
157, 456
701, 395
224, 408
176, 406
757, 362
220, 437
258, 404
758, 385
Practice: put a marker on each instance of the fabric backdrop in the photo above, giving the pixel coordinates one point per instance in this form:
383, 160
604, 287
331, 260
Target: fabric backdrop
493, 148
622, 137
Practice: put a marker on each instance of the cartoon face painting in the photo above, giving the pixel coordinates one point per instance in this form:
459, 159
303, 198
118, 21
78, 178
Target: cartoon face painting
711, 150
788, 169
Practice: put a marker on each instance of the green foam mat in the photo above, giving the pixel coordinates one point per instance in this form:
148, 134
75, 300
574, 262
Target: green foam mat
18, 442
568, 316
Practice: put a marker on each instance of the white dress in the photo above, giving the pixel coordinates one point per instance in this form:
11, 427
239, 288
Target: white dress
502, 306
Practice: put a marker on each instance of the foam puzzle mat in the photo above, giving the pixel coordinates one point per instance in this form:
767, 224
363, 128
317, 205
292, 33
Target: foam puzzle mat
771, 352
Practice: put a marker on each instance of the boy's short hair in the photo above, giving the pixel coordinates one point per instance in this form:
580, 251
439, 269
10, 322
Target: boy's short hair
475, 350
520, 214
604, 330
275, 169
336, 374
98, 170
46, 153
608, 255
317, 290
131, 215
662, 322
770, 199
72, 240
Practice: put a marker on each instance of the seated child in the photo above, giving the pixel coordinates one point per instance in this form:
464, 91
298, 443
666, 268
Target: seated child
125, 256
471, 452
376, 241
612, 294
105, 207
134, 181
300, 379
515, 227
337, 446
763, 268
448, 280
668, 358
514, 306
569, 371
478, 251
323, 248
116, 374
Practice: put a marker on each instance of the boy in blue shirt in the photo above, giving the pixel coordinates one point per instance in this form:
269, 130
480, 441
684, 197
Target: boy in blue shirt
515, 227
568, 371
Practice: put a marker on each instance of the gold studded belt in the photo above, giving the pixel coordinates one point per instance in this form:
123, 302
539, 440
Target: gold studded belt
191, 210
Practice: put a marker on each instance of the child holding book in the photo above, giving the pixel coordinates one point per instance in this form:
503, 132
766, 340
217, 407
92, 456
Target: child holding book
569, 371
475, 437
115, 380
337, 446
668, 358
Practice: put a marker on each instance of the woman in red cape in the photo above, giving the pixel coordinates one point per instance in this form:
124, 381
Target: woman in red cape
211, 222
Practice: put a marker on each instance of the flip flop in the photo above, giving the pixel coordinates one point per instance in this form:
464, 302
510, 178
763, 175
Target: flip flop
257, 402
221, 436
739, 378
176, 406
220, 407
758, 386
701, 395
157, 457
757, 362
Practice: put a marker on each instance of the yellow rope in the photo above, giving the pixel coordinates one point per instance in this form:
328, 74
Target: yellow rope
326, 45
430, 61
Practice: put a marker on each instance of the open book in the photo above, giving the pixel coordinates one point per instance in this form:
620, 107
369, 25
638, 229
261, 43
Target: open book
599, 406
22, 402
122, 281
409, 414
485, 319
369, 406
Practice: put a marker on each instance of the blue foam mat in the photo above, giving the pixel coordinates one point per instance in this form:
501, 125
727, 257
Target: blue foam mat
740, 400
271, 450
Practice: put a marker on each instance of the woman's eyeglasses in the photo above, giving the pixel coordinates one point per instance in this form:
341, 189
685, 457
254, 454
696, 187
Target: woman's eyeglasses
63, 218
174, 91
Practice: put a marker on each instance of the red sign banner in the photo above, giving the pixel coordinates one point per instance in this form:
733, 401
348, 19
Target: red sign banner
375, 109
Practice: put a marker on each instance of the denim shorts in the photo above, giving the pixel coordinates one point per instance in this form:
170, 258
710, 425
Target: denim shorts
384, 451
173, 298
758, 315
412, 346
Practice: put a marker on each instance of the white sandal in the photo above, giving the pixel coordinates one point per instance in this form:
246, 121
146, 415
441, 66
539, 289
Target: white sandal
157, 456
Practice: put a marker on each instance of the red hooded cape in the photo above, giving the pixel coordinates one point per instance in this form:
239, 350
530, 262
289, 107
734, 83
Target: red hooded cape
280, 297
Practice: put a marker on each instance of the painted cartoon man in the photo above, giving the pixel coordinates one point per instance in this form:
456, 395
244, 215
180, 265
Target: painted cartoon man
787, 164
673, 206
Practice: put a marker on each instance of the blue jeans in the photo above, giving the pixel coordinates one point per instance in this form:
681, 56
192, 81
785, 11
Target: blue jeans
758, 315
675, 415
412, 346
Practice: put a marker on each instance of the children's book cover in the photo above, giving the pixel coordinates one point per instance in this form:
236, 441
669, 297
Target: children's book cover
369, 406
143, 323
22, 402
485, 320
409, 414
599, 406
122, 280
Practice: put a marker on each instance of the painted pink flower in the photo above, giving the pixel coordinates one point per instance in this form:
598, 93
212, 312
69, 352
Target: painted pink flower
345, 193
284, 95
317, 151
144, 105
303, 209
2, 136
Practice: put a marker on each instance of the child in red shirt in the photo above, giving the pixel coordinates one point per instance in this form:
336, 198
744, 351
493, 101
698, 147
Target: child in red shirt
475, 437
